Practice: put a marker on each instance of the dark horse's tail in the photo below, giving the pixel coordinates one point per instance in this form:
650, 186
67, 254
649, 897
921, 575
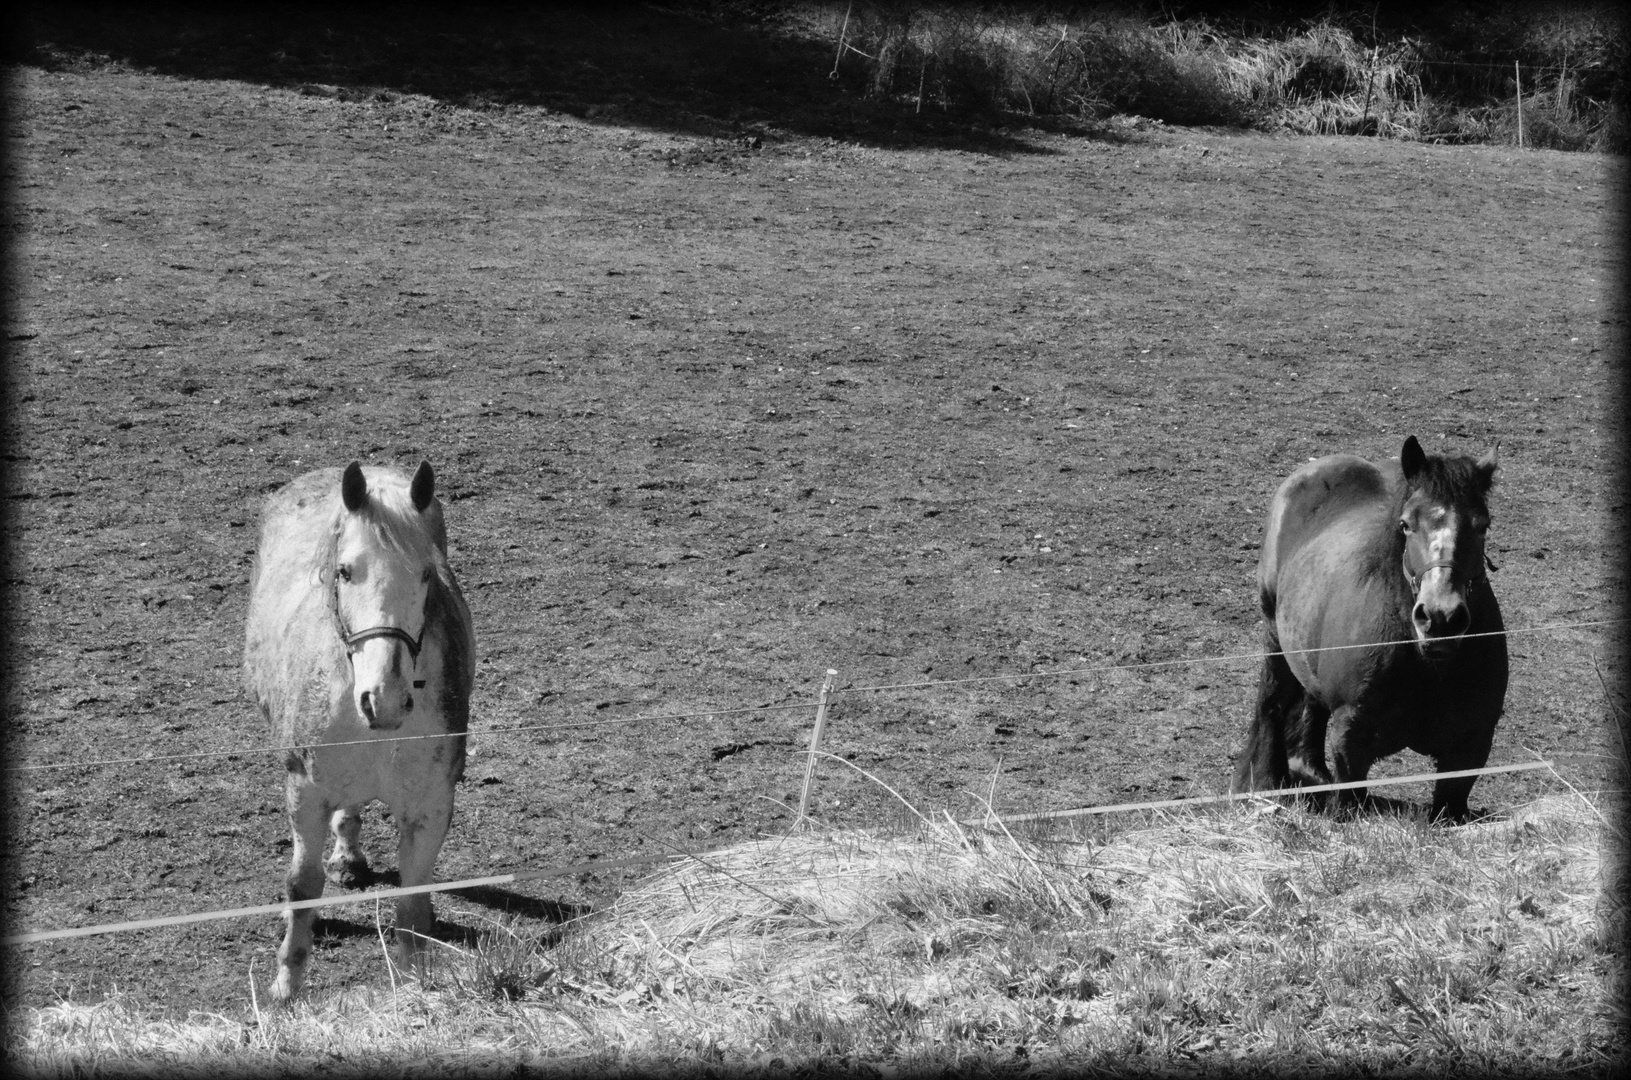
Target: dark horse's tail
1262, 765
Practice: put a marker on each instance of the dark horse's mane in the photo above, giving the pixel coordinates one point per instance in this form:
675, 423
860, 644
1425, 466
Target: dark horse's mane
1455, 481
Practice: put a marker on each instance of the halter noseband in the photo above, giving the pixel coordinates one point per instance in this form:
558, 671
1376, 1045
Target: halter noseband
354, 641
1415, 579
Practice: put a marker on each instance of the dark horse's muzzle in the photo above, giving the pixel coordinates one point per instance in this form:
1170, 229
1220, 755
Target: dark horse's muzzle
1441, 614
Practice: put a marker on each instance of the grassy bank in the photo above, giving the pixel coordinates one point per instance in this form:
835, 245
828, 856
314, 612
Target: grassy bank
1255, 938
1441, 76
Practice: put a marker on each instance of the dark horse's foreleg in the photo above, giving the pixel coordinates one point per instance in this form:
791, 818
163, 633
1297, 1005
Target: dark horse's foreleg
1305, 747
1353, 750
1450, 796
1262, 763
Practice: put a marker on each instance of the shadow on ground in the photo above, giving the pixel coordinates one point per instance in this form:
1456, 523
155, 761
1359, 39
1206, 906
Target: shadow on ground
500, 900
503, 900
693, 69
514, 903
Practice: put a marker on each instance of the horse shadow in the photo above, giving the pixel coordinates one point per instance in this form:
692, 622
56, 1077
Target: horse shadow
504, 901
514, 903
340, 929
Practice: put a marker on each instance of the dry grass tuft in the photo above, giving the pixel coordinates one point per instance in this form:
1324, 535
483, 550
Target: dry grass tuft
1255, 937
74, 1038
1334, 76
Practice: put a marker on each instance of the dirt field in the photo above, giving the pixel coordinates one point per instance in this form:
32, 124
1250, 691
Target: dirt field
711, 418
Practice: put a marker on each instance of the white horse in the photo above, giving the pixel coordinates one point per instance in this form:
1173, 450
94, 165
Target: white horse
357, 633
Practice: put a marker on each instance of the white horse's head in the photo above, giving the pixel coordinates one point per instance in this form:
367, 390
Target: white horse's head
385, 557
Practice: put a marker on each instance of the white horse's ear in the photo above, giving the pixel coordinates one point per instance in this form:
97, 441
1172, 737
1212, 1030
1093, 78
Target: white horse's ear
353, 488
423, 486
1412, 458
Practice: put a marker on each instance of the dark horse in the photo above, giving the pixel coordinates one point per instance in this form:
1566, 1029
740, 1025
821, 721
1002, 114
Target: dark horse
1356, 556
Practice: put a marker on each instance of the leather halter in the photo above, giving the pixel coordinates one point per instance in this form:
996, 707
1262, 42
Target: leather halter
353, 641
1415, 579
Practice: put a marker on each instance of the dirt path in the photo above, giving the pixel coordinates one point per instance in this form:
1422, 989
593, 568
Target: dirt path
713, 419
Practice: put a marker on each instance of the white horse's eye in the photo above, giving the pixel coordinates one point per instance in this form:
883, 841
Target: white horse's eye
343, 573
1404, 525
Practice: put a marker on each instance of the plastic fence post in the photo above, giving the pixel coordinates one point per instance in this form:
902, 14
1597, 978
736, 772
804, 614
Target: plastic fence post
815, 742
1517, 79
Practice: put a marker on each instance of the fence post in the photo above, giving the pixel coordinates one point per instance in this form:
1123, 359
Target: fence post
1517, 79
815, 742
1370, 84
833, 74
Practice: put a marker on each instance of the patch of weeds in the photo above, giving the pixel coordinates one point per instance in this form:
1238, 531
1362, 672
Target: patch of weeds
504, 965
1030, 966
811, 1032
1339, 872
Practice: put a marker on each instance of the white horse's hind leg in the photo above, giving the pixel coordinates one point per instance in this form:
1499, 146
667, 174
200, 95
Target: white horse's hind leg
421, 828
308, 818
348, 866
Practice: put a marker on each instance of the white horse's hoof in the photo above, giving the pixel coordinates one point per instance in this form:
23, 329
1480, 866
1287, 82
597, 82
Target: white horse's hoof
349, 873
286, 986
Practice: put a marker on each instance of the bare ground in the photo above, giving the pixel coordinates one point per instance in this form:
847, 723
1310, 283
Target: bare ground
712, 418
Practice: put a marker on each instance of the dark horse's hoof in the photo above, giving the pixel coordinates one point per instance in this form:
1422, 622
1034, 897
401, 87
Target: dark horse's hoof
1464, 816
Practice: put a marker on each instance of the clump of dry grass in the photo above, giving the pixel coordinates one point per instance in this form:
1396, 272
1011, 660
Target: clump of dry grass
1248, 938
948, 57
75, 1038
1312, 78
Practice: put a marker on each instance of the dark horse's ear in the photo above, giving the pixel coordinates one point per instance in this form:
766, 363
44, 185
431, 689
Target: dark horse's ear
353, 488
1412, 459
1487, 466
423, 487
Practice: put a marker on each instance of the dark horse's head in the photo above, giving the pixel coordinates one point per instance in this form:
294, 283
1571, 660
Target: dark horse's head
1442, 522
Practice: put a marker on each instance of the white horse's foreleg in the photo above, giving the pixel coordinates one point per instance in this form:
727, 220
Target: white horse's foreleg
348, 866
308, 818
421, 828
